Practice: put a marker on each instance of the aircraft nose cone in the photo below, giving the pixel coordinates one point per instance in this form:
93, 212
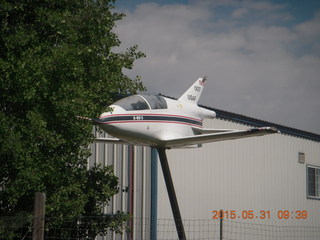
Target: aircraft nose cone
97, 121
104, 115
114, 109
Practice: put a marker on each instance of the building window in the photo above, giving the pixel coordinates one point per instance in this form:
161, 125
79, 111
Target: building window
301, 157
313, 177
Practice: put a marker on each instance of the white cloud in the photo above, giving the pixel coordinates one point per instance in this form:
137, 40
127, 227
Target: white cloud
310, 28
240, 12
252, 66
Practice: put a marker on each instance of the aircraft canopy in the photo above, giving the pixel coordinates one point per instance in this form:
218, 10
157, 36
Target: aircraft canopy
142, 102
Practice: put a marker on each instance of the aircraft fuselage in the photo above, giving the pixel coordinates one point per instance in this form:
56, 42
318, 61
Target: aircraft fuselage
153, 126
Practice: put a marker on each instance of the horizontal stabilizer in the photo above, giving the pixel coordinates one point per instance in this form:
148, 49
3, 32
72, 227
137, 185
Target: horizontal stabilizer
211, 130
110, 140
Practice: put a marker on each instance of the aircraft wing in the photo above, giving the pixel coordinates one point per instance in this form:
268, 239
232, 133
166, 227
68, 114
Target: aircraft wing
219, 136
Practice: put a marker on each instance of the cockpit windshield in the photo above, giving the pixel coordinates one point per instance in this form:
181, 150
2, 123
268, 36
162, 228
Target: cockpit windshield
155, 101
142, 102
134, 102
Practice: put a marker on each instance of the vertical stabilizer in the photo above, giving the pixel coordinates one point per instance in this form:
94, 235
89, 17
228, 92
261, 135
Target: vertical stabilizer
193, 94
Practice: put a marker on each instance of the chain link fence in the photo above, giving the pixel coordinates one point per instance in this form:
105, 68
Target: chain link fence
140, 229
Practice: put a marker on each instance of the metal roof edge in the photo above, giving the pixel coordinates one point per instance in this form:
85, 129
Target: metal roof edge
260, 123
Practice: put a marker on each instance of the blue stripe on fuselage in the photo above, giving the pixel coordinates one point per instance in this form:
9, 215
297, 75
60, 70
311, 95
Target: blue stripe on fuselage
150, 118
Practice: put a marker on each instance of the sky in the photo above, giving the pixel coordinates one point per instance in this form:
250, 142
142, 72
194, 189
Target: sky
261, 58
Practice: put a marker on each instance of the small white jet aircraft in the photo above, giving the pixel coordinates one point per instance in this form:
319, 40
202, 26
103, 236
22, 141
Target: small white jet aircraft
160, 122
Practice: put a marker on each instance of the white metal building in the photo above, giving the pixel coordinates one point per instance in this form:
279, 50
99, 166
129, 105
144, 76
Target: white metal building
271, 181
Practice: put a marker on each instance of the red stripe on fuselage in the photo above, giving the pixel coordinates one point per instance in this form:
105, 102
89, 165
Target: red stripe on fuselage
148, 114
150, 121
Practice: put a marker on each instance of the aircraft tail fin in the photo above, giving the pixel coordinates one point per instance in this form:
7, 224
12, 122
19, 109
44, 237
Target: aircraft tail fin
193, 94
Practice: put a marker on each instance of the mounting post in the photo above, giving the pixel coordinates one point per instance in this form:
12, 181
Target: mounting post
38, 216
221, 224
171, 193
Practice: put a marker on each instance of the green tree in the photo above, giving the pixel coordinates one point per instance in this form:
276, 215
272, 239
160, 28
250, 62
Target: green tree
57, 61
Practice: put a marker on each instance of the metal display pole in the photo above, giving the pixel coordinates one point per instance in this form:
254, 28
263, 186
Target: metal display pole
171, 193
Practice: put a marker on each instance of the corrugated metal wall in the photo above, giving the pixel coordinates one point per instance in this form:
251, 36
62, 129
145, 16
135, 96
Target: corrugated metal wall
132, 166
259, 173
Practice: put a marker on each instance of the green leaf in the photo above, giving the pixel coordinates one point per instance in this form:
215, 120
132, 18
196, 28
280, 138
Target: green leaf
56, 63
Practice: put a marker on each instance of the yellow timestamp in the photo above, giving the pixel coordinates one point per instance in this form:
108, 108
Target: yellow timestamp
262, 214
